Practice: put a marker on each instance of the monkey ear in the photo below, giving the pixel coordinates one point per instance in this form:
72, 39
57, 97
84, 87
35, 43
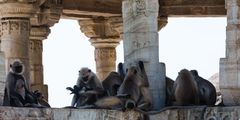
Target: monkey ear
89, 70
141, 65
120, 66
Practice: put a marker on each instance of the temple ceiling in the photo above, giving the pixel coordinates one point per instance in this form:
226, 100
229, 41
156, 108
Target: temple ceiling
80, 9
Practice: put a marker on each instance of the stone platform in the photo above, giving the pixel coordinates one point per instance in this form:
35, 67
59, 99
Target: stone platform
183, 113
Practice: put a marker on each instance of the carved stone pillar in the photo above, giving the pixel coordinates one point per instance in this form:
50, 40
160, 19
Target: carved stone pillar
229, 66
105, 56
140, 40
104, 35
37, 35
15, 41
15, 27
48, 14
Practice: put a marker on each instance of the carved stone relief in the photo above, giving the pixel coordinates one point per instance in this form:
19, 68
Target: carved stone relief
103, 53
15, 26
138, 7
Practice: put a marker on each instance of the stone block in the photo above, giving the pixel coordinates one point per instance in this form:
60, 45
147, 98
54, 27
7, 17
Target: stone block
229, 82
233, 15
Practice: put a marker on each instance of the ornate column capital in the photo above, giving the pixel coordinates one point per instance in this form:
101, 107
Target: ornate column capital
39, 32
105, 43
104, 34
101, 27
162, 22
15, 8
48, 13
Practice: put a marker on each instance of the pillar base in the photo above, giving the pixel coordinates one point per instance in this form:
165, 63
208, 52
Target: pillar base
157, 84
231, 96
229, 81
42, 88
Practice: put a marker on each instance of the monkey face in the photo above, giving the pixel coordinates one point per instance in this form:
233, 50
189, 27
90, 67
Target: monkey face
85, 79
17, 67
84, 73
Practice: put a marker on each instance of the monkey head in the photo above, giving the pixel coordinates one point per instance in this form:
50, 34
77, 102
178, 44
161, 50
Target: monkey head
85, 74
185, 74
16, 67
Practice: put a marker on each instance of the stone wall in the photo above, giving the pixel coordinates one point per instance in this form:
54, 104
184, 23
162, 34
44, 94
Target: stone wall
182, 113
13, 113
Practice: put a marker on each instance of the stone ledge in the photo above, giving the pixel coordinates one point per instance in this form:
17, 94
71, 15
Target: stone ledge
183, 113
17, 113
199, 113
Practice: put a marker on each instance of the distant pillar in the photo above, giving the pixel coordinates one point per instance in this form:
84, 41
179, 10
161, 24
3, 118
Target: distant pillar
105, 56
229, 66
37, 35
104, 35
140, 41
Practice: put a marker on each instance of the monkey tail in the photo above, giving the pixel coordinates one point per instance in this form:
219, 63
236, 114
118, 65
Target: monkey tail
108, 102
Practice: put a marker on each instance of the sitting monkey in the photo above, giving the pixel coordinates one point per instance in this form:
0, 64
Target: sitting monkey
87, 90
16, 91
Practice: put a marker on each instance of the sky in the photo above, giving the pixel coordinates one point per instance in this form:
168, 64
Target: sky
191, 43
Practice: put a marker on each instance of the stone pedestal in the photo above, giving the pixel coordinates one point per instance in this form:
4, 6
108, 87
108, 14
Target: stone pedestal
140, 40
104, 34
37, 35
229, 66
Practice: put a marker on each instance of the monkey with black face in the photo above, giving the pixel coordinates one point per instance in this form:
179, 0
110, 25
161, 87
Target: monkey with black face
16, 91
87, 90
135, 88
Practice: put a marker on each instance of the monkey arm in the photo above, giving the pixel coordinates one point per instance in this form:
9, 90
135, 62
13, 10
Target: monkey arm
10, 85
146, 102
90, 92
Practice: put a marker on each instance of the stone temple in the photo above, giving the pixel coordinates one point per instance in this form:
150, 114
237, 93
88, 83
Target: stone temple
24, 24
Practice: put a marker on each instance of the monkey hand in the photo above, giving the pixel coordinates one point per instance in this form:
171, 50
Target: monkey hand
37, 94
73, 90
69, 88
